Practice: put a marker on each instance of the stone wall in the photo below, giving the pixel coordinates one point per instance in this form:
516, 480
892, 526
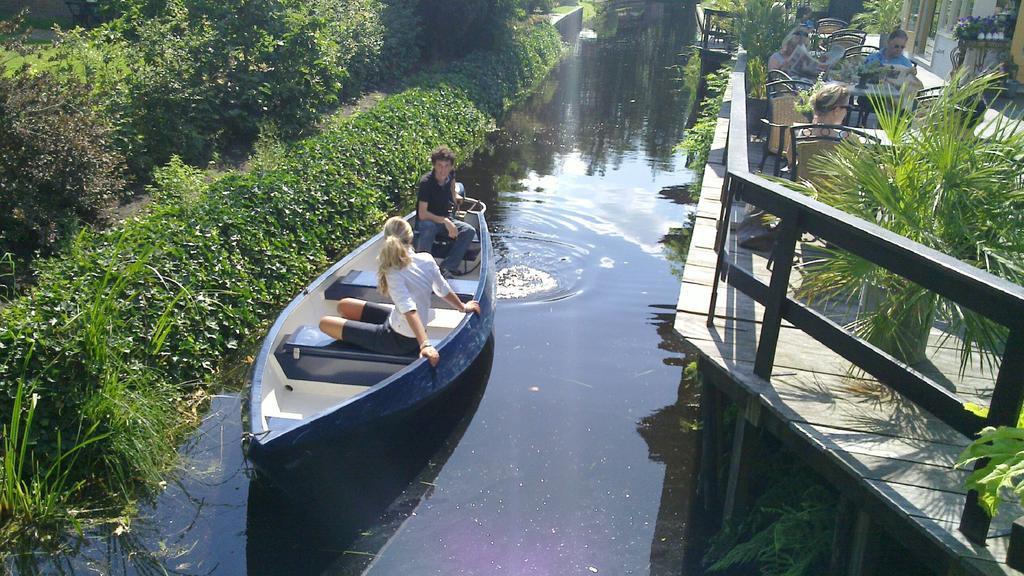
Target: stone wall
568, 25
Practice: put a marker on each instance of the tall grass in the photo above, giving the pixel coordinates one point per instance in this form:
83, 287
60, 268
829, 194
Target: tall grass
32, 494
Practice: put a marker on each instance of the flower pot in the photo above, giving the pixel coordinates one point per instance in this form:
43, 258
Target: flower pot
906, 338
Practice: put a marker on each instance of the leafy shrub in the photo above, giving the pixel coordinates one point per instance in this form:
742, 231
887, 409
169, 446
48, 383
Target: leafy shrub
402, 42
1002, 451
762, 24
493, 78
167, 102
121, 330
57, 167
542, 6
185, 77
698, 139
788, 530
880, 16
454, 28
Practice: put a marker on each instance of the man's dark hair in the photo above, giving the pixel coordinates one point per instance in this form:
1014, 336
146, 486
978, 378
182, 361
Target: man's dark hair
442, 153
803, 12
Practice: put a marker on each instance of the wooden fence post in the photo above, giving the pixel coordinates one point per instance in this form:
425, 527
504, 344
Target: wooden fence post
711, 446
745, 443
771, 322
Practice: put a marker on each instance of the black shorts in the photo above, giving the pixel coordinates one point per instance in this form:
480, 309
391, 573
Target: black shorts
375, 333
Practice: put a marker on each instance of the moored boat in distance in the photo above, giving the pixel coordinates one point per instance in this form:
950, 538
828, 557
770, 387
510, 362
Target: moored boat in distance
309, 391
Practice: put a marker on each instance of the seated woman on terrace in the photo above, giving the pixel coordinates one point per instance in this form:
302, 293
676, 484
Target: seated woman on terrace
793, 57
830, 104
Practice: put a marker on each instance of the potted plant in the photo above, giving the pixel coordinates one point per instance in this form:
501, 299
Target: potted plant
940, 185
880, 16
757, 97
869, 73
967, 28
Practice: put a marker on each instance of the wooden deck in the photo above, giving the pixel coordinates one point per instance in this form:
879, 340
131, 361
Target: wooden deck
894, 459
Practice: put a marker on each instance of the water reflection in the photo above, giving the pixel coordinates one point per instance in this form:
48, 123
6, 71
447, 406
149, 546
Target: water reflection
373, 483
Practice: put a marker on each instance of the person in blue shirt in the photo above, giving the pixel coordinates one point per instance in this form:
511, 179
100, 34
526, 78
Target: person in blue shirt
892, 54
803, 17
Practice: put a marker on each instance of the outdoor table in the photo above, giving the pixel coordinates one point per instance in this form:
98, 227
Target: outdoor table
882, 92
995, 121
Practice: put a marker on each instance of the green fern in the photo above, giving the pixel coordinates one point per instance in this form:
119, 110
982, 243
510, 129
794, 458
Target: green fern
787, 533
1004, 470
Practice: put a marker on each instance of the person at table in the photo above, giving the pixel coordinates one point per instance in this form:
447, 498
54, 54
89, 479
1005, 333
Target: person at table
793, 57
435, 201
830, 104
892, 54
408, 278
803, 17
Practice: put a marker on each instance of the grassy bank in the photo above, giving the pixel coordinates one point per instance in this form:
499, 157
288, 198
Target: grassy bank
121, 336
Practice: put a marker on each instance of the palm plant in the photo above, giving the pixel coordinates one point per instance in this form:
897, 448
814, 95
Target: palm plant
943, 186
880, 17
761, 26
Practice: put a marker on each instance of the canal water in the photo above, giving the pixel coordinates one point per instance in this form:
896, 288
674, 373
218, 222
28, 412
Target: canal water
570, 447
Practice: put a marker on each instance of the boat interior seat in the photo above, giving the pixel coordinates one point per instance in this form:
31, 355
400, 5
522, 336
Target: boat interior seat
443, 244
309, 354
362, 284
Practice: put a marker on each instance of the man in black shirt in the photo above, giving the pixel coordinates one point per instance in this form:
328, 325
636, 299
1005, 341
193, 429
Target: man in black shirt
434, 203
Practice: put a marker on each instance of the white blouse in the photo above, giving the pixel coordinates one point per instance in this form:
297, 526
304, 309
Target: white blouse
410, 289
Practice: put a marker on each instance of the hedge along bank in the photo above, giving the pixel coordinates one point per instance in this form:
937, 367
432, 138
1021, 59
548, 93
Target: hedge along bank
135, 318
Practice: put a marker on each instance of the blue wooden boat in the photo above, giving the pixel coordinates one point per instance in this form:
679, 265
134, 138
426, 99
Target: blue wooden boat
309, 391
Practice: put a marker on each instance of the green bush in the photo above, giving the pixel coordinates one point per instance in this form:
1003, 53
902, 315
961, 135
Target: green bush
119, 332
454, 28
542, 6
880, 16
57, 166
700, 136
761, 27
186, 77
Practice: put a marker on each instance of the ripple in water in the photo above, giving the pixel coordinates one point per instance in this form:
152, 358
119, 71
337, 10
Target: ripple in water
534, 267
522, 281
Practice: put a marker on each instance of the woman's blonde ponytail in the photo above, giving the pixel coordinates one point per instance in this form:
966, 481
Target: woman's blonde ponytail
394, 255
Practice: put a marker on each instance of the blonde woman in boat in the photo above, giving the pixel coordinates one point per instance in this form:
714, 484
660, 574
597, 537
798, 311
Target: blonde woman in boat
408, 278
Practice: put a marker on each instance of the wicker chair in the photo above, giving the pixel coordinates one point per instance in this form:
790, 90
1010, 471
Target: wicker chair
827, 26
846, 38
774, 75
782, 100
808, 141
860, 51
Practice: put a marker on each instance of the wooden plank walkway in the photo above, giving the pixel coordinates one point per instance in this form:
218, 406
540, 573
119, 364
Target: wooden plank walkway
864, 438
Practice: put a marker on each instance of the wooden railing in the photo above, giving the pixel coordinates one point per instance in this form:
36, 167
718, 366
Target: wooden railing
715, 28
977, 290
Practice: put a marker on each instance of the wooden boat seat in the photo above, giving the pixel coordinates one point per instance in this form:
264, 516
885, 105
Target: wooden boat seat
362, 284
309, 354
443, 244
